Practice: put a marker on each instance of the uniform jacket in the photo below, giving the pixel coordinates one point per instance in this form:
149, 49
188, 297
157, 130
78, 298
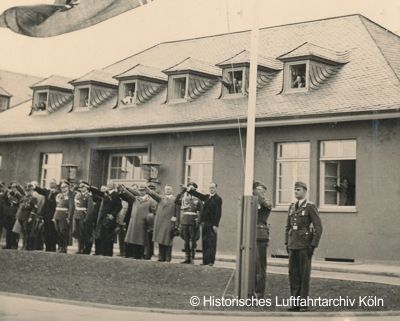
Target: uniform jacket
27, 208
188, 203
163, 225
65, 201
83, 205
11, 203
109, 208
298, 234
212, 208
49, 206
264, 210
137, 228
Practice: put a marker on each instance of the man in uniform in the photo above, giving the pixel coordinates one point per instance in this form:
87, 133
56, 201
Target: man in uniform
188, 220
262, 235
300, 242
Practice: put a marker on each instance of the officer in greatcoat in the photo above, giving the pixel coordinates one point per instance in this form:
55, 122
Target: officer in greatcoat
165, 220
300, 241
262, 236
12, 199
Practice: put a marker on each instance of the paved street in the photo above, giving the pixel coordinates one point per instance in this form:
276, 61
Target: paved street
14, 308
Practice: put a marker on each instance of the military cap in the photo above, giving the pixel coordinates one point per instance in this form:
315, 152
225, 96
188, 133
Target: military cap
151, 186
141, 188
83, 183
28, 187
64, 181
258, 183
300, 184
192, 184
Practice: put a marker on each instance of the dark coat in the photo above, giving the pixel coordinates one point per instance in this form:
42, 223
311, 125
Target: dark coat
212, 209
163, 225
298, 234
49, 206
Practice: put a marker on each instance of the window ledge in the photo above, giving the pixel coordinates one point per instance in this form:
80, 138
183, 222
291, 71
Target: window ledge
81, 109
295, 90
40, 112
338, 209
234, 96
178, 101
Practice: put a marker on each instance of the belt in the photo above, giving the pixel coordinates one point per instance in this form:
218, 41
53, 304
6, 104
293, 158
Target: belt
189, 213
81, 208
61, 209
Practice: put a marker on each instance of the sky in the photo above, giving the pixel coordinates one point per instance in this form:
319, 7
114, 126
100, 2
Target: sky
76, 53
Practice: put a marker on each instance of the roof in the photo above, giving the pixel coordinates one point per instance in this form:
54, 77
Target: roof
99, 76
55, 81
4, 92
17, 85
352, 90
243, 57
194, 65
311, 50
144, 71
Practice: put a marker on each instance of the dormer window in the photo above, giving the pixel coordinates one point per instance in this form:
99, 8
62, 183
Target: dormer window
297, 76
129, 93
4, 103
84, 97
234, 81
179, 87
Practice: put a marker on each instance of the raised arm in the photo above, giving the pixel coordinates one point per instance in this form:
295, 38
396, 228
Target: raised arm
200, 196
157, 197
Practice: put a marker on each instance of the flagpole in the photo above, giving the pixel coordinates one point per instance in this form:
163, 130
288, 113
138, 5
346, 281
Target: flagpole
245, 269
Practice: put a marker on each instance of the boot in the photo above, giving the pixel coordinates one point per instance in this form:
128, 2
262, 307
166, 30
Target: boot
188, 259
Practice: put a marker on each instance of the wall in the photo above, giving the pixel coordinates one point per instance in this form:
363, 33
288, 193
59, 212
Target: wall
370, 233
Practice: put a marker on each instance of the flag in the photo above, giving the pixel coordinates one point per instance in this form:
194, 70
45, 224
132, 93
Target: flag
46, 20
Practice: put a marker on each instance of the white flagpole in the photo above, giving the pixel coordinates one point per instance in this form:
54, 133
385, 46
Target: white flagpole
245, 270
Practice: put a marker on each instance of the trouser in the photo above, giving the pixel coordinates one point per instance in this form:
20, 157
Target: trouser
106, 241
149, 246
190, 236
137, 251
299, 272
87, 237
164, 253
50, 235
209, 243
11, 237
62, 229
261, 267
28, 242
79, 233
121, 240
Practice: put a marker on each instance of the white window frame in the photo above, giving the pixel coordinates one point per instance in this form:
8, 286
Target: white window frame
124, 93
43, 181
323, 159
188, 162
36, 100
141, 180
295, 174
79, 97
172, 88
226, 73
288, 76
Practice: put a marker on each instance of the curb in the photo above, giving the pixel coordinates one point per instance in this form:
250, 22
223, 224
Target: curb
201, 312
314, 267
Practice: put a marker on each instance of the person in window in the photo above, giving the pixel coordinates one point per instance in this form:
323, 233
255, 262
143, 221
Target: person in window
42, 106
346, 192
299, 81
71, 3
129, 99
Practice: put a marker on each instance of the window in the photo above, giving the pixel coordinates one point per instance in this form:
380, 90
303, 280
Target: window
4, 102
83, 98
179, 88
41, 101
51, 168
297, 76
129, 93
199, 166
126, 167
338, 172
235, 82
293, 164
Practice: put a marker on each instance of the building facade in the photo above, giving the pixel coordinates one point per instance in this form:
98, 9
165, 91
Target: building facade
327, 113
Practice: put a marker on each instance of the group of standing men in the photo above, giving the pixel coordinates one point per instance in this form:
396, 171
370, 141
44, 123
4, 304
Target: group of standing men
137, 216
302, 234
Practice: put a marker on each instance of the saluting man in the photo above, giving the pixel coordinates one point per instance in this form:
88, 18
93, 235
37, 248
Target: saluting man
300, 241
